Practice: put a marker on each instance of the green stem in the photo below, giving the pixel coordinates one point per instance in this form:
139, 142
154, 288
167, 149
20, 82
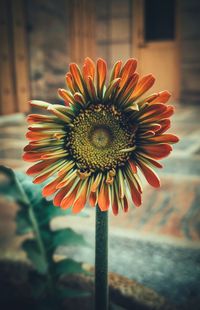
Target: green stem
101, 260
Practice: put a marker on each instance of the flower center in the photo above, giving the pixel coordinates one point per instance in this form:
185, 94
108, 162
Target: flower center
100, 138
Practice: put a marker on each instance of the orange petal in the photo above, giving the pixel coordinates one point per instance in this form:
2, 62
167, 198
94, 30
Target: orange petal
50, 188
81, 201
37, 168
61, 194
127, 88
150, 160
88, 68
152, 111
115, 207
128, 70
35, 118
70, 82
34, 136
132, 166
167, 138
79, 98
125, 204
162, 97
96, 182
68, 201
143, 85
93, 199
135, 194
91, 88
66, 96
75, 71
29, 156
101, 75
103, 198
169, 112
165, 114
157, 151
149, 174
165, 125
116, 70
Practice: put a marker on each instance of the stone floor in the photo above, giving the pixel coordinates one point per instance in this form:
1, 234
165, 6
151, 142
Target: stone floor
157, 244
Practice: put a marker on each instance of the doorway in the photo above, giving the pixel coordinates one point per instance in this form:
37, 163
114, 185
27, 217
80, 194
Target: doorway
155, 42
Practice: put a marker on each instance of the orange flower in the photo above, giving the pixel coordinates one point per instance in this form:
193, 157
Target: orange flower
94, 145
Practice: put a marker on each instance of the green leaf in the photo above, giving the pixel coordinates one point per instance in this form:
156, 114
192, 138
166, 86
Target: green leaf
23, 223
67, 236
67, 266
33, 252
10, 187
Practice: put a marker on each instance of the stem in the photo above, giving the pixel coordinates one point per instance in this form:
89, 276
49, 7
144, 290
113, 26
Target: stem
101, 260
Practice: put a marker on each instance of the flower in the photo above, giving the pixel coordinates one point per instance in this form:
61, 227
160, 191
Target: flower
95, 144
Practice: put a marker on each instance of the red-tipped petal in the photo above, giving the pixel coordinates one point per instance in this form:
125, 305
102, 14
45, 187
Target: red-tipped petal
125, 204
135, 194
132, 166
143, 85
75, 71
115, 207
93, 199
166, 138
128, 70
65, 96
149, 174
50, 188
39, 167
157, 151
162, 97
88, 68
81, 201
101, 75
103, 199
116, 70
165, 125
70, 82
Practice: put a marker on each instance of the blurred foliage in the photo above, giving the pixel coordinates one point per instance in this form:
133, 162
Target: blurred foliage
34, 216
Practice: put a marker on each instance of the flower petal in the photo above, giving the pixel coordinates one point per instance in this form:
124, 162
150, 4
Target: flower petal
101, 76
166, 138
116, 70
78, 81
81, 200
143, 85
162, 97
157, 151
88, 68
103, 198
149, 174
70, 82
50, 188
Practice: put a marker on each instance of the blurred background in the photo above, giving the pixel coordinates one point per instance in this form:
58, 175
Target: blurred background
158, 244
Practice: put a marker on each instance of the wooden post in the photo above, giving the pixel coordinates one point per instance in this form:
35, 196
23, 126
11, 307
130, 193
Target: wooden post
14, 80
20, 56
7, 91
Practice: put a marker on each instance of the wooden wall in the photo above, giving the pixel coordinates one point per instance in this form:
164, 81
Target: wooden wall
14, 82
190, 50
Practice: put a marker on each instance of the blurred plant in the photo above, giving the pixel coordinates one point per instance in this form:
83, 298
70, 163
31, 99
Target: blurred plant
34, 216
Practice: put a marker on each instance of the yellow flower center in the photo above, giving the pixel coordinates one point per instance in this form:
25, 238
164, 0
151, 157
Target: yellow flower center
100, 138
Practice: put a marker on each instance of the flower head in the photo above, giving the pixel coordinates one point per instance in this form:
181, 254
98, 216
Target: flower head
95, 144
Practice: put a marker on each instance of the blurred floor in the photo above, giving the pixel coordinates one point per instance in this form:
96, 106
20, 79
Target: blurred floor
157, 244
